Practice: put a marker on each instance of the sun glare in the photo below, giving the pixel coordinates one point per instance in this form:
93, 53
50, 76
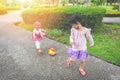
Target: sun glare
22, 1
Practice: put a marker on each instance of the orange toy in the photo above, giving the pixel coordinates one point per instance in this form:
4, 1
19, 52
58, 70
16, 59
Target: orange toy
51, 51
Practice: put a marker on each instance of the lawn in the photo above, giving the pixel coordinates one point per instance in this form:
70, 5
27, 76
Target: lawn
106, 37
107, 43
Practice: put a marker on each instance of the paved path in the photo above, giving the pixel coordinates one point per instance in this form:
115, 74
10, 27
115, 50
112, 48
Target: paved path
111, 20
19, 60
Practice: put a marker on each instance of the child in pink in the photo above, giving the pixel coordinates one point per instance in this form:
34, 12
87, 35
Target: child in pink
37, 36
78, 37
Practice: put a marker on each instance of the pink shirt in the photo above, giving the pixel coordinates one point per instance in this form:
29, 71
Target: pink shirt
79, 38
37, 35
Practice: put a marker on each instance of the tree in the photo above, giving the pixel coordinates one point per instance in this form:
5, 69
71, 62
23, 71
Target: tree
58, 2
63, 2
73, 2
81, 2
110, 1
38, 1
53, 2
3, 2
99, 2
119, 4
89, 2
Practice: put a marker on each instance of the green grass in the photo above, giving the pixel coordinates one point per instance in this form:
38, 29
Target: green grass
107, 43
106, 38
26, 26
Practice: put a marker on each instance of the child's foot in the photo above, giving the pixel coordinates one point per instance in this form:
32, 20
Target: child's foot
40, 51
82, 72
68, 63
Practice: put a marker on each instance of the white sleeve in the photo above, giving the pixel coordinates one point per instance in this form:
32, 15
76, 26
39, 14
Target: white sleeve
72, 36
89, 37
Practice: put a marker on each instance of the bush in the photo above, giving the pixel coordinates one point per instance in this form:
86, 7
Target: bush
58, 17
54, 33
116, 7
13, 8
112, 14
29, 27
58, 35
3, 10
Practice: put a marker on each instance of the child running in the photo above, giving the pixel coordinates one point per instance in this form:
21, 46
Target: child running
78, 37
37, 36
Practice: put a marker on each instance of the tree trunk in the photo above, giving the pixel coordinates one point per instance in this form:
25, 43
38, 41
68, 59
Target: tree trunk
119, 4
53, 2
58, 2
89, 2
106, 3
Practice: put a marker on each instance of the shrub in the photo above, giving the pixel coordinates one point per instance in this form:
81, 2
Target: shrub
116, 7
58, 35
13, 8
54, 33
58, 17
3, 10
112, 14
29, 27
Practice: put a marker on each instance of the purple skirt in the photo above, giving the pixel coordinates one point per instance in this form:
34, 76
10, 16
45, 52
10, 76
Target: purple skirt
78, 54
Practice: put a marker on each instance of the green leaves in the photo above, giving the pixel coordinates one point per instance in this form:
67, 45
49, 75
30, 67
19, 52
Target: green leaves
58, 17
3, 10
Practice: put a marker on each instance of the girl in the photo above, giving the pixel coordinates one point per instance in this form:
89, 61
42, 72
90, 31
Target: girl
37, 35
78, 37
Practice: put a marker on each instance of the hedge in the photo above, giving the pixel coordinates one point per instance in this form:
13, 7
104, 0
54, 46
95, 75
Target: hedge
112, 14
3, 10
13, 8
58, 17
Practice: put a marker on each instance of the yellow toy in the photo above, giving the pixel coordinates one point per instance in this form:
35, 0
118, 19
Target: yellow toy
51, 51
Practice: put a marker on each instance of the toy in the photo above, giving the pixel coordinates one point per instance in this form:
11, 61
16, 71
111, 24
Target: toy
52, 51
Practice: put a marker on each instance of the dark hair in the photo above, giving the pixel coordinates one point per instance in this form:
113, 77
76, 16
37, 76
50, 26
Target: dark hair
74, 19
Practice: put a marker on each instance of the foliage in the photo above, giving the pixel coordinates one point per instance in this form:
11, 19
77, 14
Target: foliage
13, 8
3, 10
58, 35
64, 2
116, 7
58, 17
107, 43
111, 13
29, 27
55, 33
98, 2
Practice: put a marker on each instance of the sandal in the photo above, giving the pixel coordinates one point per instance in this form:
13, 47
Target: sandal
82, 72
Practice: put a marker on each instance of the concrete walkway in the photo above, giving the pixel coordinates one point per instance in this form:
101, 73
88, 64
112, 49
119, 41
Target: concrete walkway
20, 61
111, 20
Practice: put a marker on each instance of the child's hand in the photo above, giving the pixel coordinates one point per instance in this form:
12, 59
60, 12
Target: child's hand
91, 45
44, 31
72, 43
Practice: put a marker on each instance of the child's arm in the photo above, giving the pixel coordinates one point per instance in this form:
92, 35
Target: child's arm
89, 37
72, 37
34, 36
43, 31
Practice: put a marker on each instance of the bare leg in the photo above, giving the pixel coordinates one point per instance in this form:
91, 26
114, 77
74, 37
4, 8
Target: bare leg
81, 69
82, 63
69, 60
